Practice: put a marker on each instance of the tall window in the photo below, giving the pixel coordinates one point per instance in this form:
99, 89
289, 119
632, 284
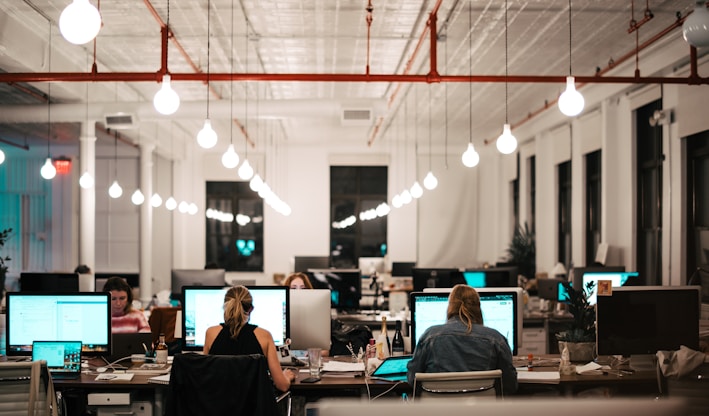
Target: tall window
593, 205
564, 220
234, 227
649, 174
531, 208
698, 211
353, 190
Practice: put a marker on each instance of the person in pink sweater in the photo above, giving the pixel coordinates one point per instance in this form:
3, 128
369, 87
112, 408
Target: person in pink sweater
124, 319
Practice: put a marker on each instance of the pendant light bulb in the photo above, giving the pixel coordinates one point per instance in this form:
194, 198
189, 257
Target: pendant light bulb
416, 190
2, 156
80, 22
571, 102
48, 171
695, 28
470, 157
207, 137
230, 159
246, 171
183, 207
137, 198
171, 204
256, 183
430, 182
506, 143
396, 201
86, 181
156, 200
406, 197
192, 209
166, 101
115, 191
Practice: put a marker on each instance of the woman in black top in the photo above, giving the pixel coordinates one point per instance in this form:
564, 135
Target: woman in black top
237, 337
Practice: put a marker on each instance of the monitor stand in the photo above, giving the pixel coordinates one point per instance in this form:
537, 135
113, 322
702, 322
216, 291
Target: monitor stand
643, 362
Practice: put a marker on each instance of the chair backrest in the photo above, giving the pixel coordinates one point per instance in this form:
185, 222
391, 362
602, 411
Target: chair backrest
26, 388
465, 383
219, 385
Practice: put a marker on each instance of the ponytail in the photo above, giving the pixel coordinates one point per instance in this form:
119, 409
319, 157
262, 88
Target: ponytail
238, 303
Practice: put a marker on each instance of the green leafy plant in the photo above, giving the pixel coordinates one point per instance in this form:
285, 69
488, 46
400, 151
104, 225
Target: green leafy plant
522, 251
583, 326
4, 235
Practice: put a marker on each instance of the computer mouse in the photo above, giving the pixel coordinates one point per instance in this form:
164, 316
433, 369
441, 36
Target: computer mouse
101, 369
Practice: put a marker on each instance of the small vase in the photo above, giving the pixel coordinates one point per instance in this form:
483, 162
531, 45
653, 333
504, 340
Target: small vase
579, 351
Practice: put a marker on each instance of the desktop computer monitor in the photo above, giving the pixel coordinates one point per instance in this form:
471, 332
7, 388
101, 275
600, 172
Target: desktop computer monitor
309, 311
301, 264
369, 265
491, 277
195, 277
44, 316
203, 306
645, 319
402, 268
100, 278
435, 278
502, 310
576, 273
49, 282
345, 286
617, 279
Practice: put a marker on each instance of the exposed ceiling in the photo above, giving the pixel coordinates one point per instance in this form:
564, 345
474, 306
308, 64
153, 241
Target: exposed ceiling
316, 45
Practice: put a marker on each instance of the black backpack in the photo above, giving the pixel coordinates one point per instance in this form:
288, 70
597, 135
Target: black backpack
342, 335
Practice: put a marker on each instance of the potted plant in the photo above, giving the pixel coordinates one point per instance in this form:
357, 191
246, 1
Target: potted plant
4, 235
580, 335
522, 251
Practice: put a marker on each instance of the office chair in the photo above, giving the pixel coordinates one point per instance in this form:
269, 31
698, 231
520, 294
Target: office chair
27, 388
223, 385
458, 384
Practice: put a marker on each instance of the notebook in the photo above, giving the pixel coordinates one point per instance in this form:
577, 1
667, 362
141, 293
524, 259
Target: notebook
63, 357
124, 345
392, 368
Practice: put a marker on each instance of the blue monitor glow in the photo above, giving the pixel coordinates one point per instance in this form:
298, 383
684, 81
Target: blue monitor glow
309, 319
44, 316
474, 279
502, 310
345, 286
493, 276
617, 279
645, 319
576, 273
435, 278
49, 282
195, 277
203, 307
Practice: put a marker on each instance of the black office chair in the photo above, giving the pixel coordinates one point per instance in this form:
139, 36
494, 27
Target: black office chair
222, 385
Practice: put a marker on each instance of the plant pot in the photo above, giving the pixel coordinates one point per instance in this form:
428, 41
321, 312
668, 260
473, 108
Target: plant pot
579, 351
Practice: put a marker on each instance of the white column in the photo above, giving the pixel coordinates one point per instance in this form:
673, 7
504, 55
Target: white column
146, 222
87, 213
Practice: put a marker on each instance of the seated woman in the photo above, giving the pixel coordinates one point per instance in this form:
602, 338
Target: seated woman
463, 343
124, 319
236, 336
298, 281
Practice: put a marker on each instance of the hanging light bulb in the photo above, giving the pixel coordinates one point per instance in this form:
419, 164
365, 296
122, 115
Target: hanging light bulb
80, 22
406, 197
192, 209
137, 198
430, 181
115, 191
86, 181
48, 171
171, 204
506, 143
207, 137
2, 156
471, 158
695, 28
183, 207
230, 159
166, 101
246, 171
155, 200
256, 183
396, 201
571, 102
416, 190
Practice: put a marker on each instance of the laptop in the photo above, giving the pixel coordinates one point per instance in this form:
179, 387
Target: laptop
392, 368
124, 345
63, 357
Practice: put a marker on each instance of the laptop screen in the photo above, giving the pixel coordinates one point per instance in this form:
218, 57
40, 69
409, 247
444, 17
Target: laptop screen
393, 368
62, 357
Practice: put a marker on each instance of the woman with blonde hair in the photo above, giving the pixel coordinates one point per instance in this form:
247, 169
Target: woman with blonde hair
463, 343
236, 336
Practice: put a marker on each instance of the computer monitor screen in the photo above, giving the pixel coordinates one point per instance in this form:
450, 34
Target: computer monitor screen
44, 316
301, 264
402, 268
203, 307
345, 286
100, 278
502, 310
435, 277
49, 282
369, 265
309, 319
576, 273
617, 279
491, 277
548, 289
195, 277
646, 319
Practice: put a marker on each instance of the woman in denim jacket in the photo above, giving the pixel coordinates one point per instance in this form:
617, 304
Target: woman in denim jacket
463, 343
